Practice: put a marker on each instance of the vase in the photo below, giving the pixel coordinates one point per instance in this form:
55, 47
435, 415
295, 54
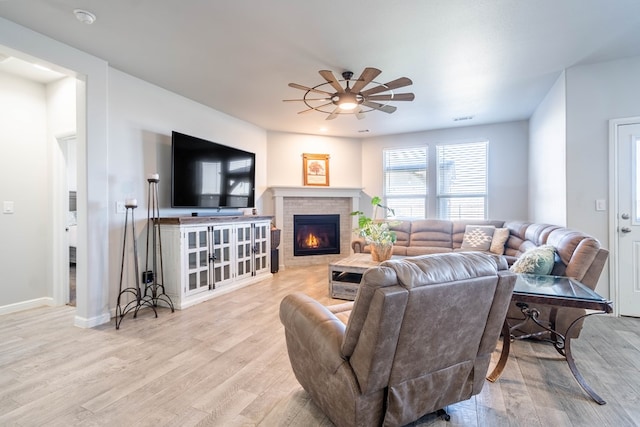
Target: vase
381, 251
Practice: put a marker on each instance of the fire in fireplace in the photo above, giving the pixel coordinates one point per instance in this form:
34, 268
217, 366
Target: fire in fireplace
316, 234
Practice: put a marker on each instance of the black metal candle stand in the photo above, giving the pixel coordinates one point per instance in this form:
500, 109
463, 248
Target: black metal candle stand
154, 288
139, 300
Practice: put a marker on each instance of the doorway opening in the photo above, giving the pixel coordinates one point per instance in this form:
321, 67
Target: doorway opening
68, 149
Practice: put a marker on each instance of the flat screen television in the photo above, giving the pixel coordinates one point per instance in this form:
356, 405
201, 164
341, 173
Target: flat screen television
205, 174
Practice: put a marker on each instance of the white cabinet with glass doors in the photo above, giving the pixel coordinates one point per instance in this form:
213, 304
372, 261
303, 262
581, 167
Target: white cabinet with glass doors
206, 257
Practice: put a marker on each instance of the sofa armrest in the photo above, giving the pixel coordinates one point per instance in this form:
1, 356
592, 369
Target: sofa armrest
358, 245
314, 330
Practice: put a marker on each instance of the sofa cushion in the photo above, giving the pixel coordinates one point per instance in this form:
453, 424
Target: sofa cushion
431, 233
517, 231
425, 250
538, 233
500, 236
539, 260
478, 237
403, 232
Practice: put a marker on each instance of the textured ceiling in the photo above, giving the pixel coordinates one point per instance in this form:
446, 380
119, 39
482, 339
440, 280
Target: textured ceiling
493, 60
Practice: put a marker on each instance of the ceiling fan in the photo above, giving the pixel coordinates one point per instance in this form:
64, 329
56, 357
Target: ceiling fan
352, 99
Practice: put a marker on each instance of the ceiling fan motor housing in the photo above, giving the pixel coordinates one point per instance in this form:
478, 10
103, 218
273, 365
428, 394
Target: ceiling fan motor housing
347, 75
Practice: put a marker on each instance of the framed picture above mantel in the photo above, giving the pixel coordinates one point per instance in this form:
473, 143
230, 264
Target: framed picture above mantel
315, 169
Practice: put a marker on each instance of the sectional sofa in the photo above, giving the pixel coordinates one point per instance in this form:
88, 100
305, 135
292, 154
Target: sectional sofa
577, 254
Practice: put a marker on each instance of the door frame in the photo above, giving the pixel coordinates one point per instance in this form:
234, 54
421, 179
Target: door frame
60, 194
614, 241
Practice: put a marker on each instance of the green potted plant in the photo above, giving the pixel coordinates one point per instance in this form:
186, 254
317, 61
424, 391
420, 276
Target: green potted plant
377, 232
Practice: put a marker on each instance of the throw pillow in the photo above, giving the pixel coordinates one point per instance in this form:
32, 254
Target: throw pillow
536, 261
477, 237
500, 236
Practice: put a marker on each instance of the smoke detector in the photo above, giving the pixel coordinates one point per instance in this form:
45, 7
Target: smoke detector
84, 16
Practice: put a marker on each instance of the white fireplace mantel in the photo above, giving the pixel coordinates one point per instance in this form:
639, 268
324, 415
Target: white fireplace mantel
280, 193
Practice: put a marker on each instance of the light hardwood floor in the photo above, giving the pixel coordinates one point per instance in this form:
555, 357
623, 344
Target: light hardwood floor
224, 363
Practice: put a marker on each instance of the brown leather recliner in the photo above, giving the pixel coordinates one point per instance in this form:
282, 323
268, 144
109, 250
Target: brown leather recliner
419, 338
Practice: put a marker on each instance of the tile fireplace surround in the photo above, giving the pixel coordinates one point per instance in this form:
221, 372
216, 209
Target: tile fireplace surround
290, 201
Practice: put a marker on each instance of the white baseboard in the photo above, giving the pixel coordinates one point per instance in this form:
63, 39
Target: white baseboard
26, 305
83, 322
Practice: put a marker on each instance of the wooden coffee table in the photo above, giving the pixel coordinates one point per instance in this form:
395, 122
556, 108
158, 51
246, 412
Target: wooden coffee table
345, 275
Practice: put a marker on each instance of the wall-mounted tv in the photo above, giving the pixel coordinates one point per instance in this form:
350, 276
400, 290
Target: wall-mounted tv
205, 174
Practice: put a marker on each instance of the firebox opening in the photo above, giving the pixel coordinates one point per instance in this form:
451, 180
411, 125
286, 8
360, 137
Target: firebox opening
316, 235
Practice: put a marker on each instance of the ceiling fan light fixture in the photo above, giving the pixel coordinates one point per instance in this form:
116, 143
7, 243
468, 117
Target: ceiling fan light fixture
348, 105
347, 101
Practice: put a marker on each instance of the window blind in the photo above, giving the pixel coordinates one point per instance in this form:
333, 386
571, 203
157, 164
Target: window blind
405, 181
462, 180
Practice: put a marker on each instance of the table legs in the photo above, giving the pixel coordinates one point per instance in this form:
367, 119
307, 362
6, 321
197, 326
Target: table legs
574, 369
561, 343
504, 354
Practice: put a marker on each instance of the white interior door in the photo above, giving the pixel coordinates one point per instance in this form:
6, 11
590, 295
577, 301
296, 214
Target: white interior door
628, 219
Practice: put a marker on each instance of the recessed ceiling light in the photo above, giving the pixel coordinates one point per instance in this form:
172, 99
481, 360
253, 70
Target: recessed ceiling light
84, 16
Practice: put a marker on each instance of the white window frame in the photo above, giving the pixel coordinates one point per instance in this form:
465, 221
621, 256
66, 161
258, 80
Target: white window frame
477, 190
392, 198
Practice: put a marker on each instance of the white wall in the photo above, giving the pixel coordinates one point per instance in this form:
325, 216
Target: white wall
284, 160
105, 174
24, 170
547, 158
508, 147
595, 94
141, 118
91, 297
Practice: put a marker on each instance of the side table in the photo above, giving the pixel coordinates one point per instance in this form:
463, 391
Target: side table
557, 292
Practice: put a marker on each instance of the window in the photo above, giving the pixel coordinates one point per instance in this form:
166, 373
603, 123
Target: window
462, 180
405, 181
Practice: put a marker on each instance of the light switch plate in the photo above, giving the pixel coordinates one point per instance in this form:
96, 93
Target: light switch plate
120, 208
601, 205
7, 207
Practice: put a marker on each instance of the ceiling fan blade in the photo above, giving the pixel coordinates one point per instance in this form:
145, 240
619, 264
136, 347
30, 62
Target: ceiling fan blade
386, 108
308, 99
331, 79
333, 114
365, 78
394, 84
394, 97
310, 89
314, 109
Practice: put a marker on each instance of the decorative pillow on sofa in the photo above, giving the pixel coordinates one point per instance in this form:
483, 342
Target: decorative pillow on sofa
536, 261
477, 237
500, 236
